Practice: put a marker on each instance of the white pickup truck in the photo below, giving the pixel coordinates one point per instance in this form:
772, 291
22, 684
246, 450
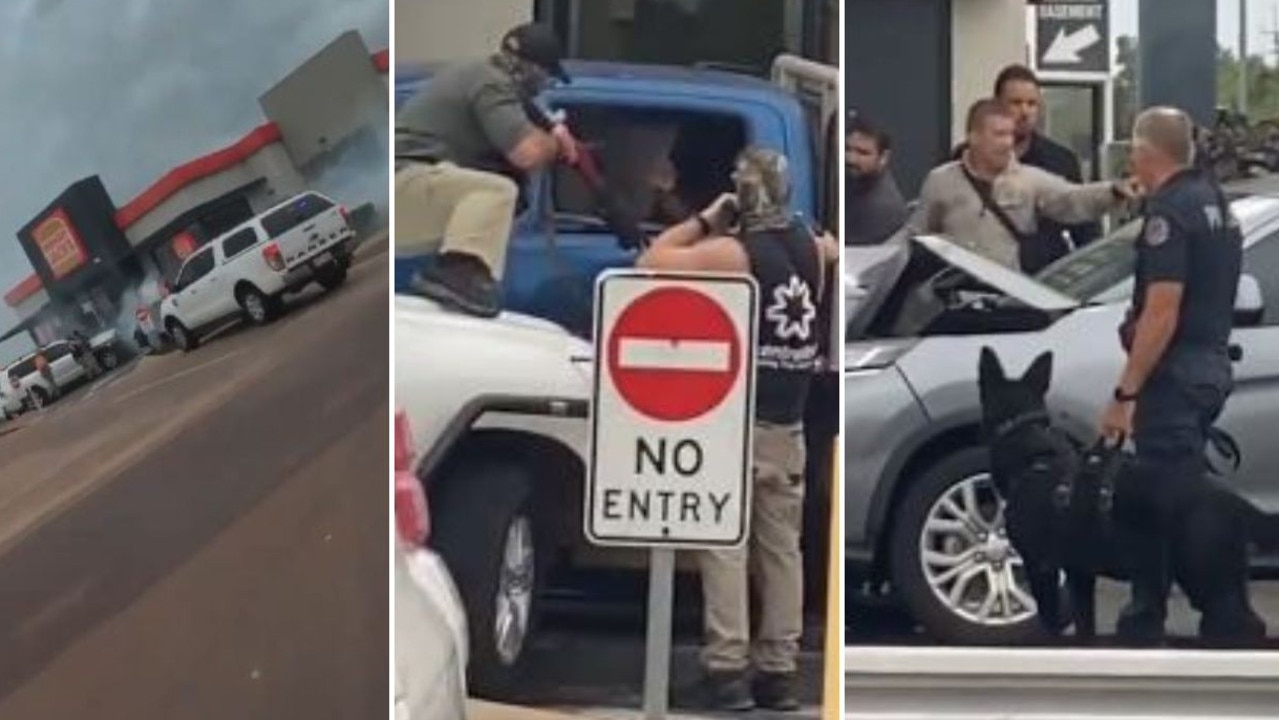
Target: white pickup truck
249, 269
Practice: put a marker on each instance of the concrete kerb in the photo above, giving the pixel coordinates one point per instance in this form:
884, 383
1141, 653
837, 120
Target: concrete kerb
477, 710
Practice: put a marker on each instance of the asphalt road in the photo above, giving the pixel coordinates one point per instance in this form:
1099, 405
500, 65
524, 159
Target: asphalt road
589, 659
884, 626
206, 535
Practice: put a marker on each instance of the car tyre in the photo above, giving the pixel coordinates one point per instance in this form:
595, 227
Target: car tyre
484, 523
940, 619
257, 306
184, 339
332, 277
109, 360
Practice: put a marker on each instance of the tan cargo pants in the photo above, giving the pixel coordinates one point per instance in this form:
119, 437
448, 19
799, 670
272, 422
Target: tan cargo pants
453, 209
772, 557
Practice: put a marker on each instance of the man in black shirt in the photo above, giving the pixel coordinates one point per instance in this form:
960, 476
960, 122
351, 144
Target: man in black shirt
1178, 374
873, 205
1018, 87
753, 231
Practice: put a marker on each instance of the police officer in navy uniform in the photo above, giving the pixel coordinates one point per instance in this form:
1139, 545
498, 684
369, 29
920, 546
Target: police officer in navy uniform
752, 231
1178, 373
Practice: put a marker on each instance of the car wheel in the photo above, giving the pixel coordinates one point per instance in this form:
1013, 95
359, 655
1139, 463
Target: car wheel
182, 337
109, 359
259, 308
332, 277
39, 398
951, 560
485, 531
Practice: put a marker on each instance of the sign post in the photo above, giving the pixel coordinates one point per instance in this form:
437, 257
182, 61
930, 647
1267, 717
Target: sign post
671, 416
1073, 36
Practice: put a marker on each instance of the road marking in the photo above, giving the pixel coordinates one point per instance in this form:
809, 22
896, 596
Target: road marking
690, 355
175, 376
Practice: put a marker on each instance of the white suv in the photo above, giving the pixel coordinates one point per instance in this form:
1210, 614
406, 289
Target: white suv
36, 392
249, 269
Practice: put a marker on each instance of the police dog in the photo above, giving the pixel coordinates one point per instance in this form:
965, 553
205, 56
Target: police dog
1082, 511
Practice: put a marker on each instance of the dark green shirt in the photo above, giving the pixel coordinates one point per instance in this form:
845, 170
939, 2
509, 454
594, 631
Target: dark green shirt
469, 114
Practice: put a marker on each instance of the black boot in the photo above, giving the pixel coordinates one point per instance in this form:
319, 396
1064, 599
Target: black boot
719, 690
460, 282
776, 691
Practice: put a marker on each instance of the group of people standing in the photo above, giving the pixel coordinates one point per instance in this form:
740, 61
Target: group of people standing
1016, 197
1007, 192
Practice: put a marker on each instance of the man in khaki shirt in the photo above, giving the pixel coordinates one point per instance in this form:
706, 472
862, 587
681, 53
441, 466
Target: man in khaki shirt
951, 202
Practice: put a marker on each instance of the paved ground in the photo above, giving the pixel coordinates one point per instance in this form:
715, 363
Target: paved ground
888, 627
590, 663
205, 535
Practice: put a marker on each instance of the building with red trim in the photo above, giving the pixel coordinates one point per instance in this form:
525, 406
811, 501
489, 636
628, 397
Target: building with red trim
91, 255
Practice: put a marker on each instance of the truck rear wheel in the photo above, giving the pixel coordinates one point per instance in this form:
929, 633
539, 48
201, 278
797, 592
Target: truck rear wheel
486, 533
332, 277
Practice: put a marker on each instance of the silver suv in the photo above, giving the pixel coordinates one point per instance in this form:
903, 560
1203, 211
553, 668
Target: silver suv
923, 523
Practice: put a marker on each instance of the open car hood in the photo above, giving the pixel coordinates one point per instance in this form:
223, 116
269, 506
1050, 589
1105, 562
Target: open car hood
1010, 282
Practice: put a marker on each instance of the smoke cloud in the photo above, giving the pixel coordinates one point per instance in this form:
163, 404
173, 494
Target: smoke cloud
127, 89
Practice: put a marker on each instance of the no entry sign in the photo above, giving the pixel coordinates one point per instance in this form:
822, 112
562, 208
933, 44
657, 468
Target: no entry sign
672, 410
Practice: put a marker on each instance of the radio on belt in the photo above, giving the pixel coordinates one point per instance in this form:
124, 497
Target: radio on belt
672, 410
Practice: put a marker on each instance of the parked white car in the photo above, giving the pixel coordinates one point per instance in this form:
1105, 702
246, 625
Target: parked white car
11, 398
430, 624
249, 269
35, 391
499, 410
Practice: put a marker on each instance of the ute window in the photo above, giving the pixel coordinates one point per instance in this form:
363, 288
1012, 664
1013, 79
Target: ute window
239, 241
198, 265
661, 165
57, 352
299, 210
1261, 260
23, 368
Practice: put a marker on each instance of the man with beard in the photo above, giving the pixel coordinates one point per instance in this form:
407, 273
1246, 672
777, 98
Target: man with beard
463, 147
874, 207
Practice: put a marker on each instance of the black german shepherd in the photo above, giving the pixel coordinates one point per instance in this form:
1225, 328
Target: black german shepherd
1082, 511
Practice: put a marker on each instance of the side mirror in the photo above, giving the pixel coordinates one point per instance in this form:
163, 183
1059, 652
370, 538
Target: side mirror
1249, 304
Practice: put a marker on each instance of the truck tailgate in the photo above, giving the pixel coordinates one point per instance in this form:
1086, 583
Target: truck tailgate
313, 238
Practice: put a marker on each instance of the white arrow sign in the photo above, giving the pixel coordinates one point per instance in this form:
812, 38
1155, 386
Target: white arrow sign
1065, 48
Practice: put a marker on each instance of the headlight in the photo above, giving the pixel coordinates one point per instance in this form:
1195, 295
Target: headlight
875, 355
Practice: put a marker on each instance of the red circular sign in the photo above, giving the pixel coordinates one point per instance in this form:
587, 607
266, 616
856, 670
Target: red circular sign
674, 354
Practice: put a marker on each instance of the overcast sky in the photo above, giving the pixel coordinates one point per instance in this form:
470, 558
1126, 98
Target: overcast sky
1261, 20
127, 89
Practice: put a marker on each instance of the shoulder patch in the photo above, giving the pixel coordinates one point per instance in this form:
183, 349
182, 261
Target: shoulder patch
1156, 231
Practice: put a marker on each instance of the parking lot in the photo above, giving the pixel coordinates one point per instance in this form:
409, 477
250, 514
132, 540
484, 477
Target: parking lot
207, 531
612, 634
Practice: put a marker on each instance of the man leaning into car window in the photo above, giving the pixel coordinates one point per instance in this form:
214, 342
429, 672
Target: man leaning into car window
753, 231
988, 202
463, 147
